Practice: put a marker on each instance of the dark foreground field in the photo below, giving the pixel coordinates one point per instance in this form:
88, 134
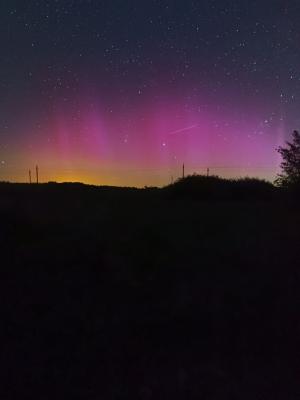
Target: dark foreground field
148, 294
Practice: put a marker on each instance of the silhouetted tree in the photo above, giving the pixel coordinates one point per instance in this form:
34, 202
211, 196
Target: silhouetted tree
290, 165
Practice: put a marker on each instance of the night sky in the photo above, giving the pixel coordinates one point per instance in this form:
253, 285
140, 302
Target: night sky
123, 92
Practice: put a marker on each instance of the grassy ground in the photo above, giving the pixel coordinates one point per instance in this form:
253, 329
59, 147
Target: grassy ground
122, 293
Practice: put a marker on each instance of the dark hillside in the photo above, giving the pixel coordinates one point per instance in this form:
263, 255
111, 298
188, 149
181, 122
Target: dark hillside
122, 293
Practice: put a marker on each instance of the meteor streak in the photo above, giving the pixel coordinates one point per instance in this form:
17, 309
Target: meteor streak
183, 130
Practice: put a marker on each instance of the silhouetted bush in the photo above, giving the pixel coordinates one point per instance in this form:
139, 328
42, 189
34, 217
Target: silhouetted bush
214, 188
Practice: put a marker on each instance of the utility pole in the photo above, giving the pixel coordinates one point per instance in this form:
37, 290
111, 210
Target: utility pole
183, 171
37, 174
207, 172
29, 176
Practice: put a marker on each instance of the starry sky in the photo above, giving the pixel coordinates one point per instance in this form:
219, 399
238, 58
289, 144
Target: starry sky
124, 92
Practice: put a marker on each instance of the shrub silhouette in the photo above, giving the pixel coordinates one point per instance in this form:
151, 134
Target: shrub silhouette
215, 188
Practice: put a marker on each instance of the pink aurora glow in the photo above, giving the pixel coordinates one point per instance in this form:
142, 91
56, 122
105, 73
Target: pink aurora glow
148, 143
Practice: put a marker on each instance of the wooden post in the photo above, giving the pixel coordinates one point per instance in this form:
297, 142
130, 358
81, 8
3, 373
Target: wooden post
29, 176
37, 174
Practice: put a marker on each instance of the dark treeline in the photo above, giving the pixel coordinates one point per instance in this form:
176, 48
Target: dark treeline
186, 292
197, 187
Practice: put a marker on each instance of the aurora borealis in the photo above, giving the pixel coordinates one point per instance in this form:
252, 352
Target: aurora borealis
123, 93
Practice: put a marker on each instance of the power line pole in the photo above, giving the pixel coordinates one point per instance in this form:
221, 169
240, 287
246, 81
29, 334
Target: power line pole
37, 174
207, 172
29, 176
183, 171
